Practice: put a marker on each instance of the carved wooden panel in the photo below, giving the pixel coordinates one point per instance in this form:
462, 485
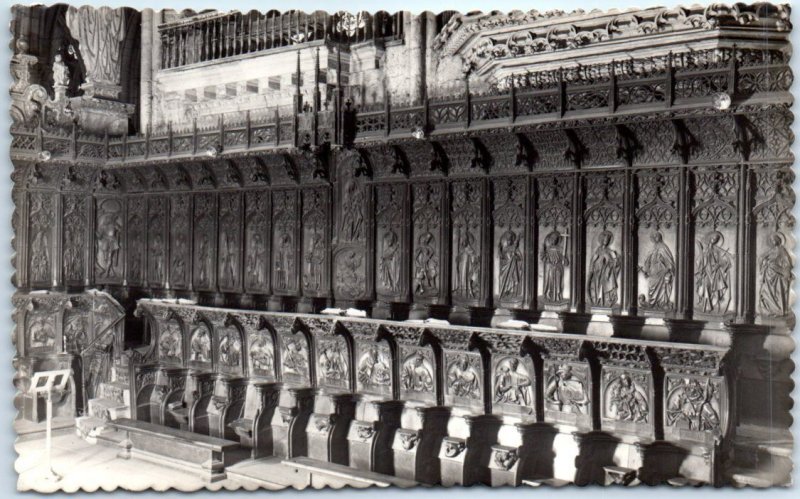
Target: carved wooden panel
463, 373
261, 353
257, 223
205, 241
554, 215
352, 258
429, 268
229, 350
170, 342
109, 230
333, 362
41, 238
513, 385
295, 358
285, 244
712, 138
74, 238
199, 350
470, 259
316, 242
374, 368
417, 374
392, 242
774, 222
230, 242
715, 217
603, 219
156, 240
657, 219
180, 241
567, 392
626, 400
510, 281
136, 242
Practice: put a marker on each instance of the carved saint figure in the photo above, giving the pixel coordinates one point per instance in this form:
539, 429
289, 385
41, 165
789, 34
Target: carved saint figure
178, 258
627, 401
463, 379
157, 250
353, 211
75, 334
775, 266
690, 406
712, 277
350, 273
41, 332
230, 350
200, 345
566, 391
60, 72
388, 266
512, 383
374, 370
203, 255
467, 265
169, 344
554, 259
332, 362
314, 261
426, 265
510, 264
261, 354
109, 229
99, 32
227, 254
659, 269
283, 261
416, 376
295, 357
604, 270
255, 258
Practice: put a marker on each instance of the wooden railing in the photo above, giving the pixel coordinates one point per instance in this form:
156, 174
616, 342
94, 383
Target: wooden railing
682, 81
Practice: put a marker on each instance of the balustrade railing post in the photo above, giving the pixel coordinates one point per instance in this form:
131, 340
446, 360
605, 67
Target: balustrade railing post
669, 86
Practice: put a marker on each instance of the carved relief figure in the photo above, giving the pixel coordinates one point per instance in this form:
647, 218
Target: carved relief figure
315, 258
510, 264
604, 270
203, 259
352, 211
775, 267
73, 237
284, 261
41, 331
467, 265
157, 252
170, 344
659, 269
178, 261
417, 374
712, 276
60, 72
256, 253
691, 405
200, 345
41, 216
389, 265
350, 275
426, 265
463, 379
374, 368
227, 254
554, 259
295, 357
109, 229
566, 391
99, 32
627, 400
75, 339
512, 383
230, 349
332, 362
262, 356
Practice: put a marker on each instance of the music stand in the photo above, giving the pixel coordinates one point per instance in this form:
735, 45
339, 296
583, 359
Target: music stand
47, 383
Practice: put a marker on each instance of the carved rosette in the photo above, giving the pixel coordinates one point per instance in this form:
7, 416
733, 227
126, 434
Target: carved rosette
316, 242
509, 214
285, 244
257, 227
392, 242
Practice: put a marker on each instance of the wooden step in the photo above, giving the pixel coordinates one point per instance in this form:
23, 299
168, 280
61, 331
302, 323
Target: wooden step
324, 474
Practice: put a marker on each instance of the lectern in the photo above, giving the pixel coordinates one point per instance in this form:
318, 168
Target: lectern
48, 384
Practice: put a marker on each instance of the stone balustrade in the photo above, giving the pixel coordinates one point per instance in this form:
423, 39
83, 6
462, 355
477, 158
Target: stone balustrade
437, 403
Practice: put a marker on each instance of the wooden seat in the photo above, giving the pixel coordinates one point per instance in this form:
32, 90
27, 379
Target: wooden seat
324, 473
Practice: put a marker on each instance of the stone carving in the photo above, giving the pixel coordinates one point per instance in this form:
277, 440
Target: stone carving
604, 269
775, 269
75, 236
692, 404
505, 459
554, 260
408, 439
41, 227
262, 353
365, 431
200, 344
256, 244
375, 368
417, 373
170, 343
626, 397
452, 447
229, 217
108, 238
659, 269
467, 244
512, 383
100, 32
464, 376
294, 356
332, 362
230, 348
566, 389
713, 274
